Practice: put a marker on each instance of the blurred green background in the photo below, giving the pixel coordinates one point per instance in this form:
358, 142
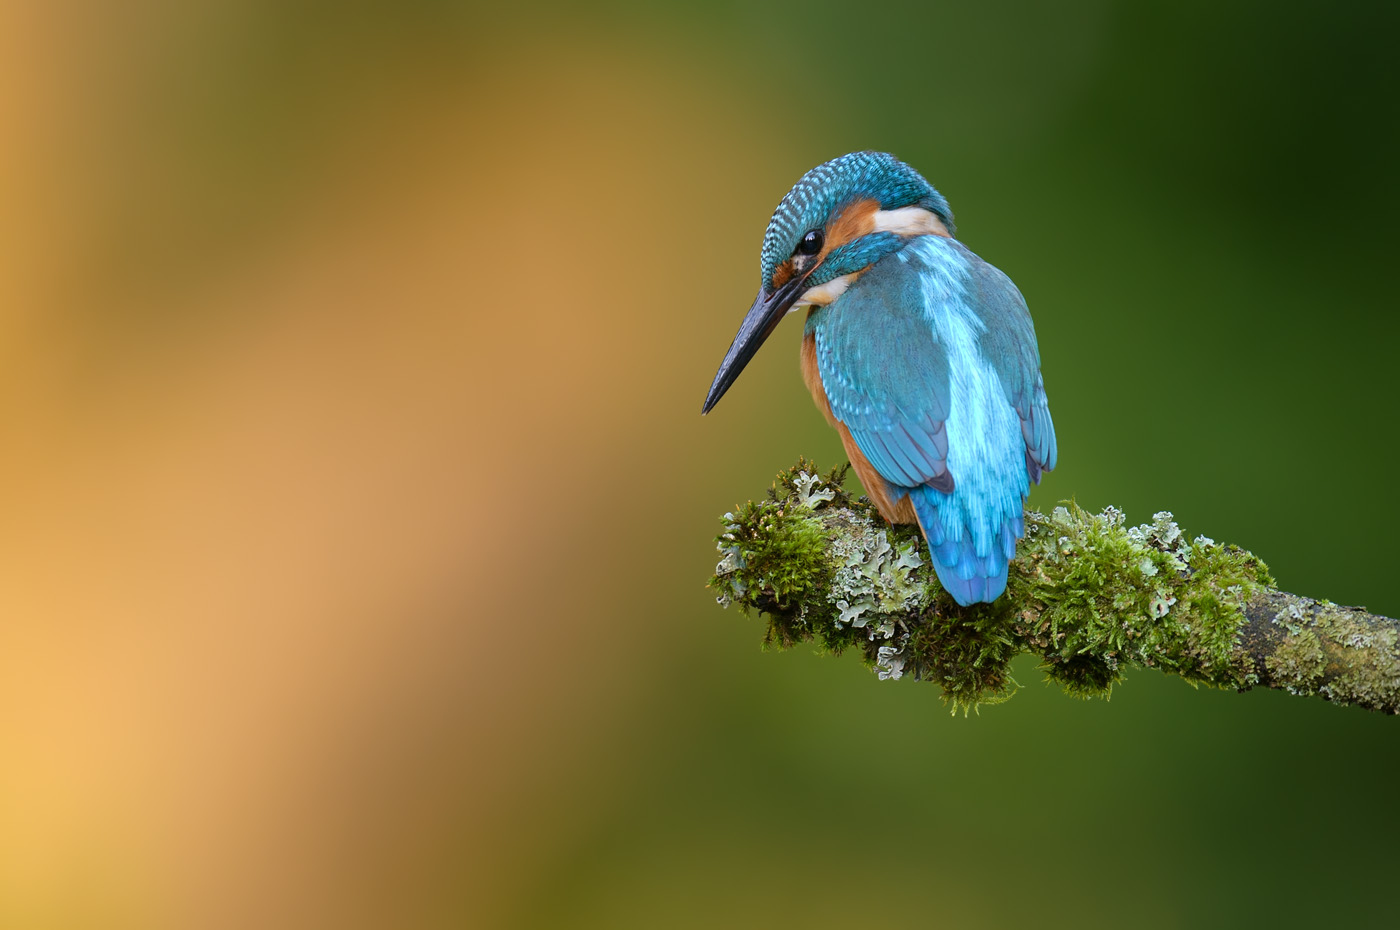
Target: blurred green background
358, 509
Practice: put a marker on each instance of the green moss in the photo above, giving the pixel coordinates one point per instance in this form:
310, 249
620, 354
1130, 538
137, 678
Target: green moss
967, 652
774, 554
1105, 596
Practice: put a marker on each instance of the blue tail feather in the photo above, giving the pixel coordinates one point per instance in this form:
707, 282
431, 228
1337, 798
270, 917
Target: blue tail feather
970, 578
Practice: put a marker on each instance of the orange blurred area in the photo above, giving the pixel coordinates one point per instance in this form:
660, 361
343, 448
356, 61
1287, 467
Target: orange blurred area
308, 478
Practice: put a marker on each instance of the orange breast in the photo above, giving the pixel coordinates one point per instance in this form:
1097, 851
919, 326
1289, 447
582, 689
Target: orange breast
895, 511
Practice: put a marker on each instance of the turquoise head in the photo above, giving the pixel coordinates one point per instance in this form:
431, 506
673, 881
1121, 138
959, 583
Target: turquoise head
837, 221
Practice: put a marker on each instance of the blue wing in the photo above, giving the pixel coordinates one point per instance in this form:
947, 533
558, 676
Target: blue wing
1009, 344
930, 360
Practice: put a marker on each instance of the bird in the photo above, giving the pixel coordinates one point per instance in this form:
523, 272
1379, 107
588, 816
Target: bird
921, 355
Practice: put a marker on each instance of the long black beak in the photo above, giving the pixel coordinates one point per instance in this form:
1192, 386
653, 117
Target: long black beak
763, 317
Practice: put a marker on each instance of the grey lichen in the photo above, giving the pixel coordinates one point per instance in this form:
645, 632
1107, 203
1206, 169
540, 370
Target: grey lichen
1088, 594
1309, 647
889, 661
1298, 663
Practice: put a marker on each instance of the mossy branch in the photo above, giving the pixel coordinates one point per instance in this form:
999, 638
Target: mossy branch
1087, 593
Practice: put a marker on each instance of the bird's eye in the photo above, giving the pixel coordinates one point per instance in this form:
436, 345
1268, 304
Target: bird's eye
811, 243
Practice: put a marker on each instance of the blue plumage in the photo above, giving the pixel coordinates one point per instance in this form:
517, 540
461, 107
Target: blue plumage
929, 359
925, 355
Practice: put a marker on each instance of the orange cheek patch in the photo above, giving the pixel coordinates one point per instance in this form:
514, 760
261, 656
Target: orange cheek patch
856, 219
782, 273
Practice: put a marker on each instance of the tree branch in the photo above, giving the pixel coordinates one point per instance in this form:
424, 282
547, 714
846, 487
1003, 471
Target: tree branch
1088, 594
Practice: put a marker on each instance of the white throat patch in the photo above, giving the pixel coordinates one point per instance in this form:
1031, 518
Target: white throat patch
823, 294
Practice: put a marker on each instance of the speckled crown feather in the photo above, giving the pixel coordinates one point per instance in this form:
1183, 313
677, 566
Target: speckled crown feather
859, 175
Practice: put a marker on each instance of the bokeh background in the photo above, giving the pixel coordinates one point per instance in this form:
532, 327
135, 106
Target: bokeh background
357, 508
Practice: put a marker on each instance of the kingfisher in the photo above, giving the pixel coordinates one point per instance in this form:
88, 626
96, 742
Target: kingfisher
919, 353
